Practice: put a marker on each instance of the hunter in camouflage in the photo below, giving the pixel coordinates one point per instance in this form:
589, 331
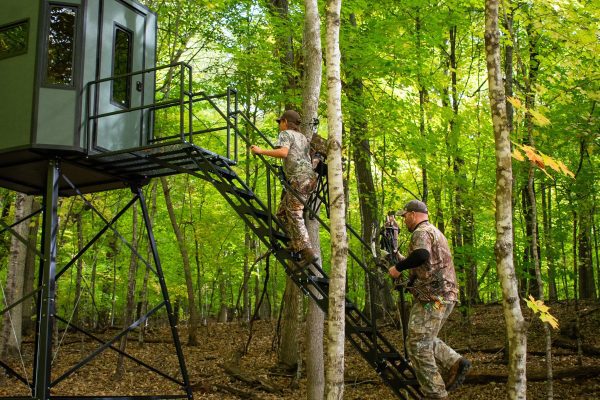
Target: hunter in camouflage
293, 147
432, 282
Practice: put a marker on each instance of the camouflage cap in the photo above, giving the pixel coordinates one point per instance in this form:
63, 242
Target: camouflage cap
290, 116
414, 205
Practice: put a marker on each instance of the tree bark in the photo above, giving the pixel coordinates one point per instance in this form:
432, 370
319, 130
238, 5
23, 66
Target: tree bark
10, 341
292, 305
375, 304
339, 241
130, 302
548, 242
289, 348
310, 108
30, 267
79, 275
517, 339
193, 326
285, 47
583, 191
143, 295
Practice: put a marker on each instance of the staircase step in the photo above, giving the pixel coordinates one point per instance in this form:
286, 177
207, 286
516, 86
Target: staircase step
246, 194
240, 192
320, 281
362, 329
225, 173
391, 356
264, 215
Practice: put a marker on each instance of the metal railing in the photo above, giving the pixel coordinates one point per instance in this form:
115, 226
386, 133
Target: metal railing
179, 101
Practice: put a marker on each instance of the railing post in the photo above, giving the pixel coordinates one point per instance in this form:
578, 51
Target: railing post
191, 103
228, 122
181, 105
235, 121
87, 120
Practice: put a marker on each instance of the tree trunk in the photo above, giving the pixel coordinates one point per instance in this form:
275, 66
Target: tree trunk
223, 308
10, 341
30, 267
515, 324
79, 275
280, 8
311, 91
291, 304
143, 295
193, 326
375, 304
585, 207
288, 355
339, 241
462, 219
422, 100
549, 245
129, 307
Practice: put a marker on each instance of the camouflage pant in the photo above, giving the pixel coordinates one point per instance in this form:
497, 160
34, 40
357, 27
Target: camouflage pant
426, 350
290, 212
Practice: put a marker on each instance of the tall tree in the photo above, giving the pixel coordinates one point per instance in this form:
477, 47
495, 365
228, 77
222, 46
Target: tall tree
361, 155
311, 91
130, 302
10, 341
193, 327
339, 241
289, 352
515, 324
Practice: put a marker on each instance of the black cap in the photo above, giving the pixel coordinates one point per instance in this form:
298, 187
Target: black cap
290, 116
414, 205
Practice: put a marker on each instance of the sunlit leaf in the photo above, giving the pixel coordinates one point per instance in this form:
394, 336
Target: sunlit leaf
516, 154
539, 118
538, 307
515, 102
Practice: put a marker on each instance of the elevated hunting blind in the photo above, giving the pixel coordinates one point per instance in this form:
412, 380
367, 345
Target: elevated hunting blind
49, 53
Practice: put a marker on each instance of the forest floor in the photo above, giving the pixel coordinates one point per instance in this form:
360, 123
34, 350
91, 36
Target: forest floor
481, 340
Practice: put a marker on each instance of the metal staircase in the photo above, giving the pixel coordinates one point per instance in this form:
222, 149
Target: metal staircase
178, 154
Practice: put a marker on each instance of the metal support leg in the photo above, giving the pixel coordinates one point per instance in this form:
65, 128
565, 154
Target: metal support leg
163, 288
46, 303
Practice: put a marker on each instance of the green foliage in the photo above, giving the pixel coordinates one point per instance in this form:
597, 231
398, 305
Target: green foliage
393, 53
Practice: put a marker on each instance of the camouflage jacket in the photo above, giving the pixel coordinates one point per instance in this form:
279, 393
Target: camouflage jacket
436, 279
297, 165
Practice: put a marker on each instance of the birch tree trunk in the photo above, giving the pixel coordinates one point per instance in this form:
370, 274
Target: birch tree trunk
311, 91
31, 263
515, 324
192, 329
339, 243
10, 341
